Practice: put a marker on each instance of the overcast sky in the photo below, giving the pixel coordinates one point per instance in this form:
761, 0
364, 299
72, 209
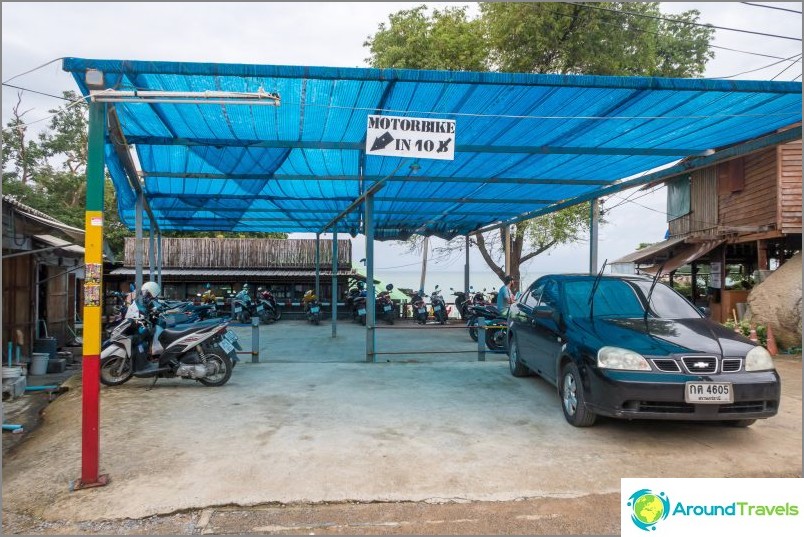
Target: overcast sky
332, 34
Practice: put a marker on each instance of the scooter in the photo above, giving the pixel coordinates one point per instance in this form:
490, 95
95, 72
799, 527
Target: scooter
271, 310
439, 306
385, 306
461, 303
419, 308
496, 337
141, 346
312, 308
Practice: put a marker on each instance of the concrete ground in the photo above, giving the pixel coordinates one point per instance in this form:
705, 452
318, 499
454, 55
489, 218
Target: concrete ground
312, 424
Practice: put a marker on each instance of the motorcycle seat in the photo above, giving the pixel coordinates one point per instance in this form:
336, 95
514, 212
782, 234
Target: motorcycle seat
168, 336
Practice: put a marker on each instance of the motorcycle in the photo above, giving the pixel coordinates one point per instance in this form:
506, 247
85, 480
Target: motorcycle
385, 306
439, 306
270, 308
312, 307
478, 301
243, 308
462, 302
488, 314
419, 308
142, 347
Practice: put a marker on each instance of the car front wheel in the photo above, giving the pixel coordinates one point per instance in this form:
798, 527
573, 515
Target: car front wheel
572, 401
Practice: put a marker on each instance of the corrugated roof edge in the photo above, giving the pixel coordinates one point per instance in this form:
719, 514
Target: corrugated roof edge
80, 65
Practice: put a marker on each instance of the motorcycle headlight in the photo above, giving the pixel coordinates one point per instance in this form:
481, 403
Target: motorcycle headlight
617, 358
758, 359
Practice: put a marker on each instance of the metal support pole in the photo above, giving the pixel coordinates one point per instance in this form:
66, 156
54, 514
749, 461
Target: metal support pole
466, 270
93, 303
159, 259
335, 281
318, 265
138, 244
151, 251
371, 309
255, 340
481, 339
594, 216
507, 246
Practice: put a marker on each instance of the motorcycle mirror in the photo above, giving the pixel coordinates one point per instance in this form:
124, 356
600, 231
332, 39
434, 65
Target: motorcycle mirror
389, 287
436, 288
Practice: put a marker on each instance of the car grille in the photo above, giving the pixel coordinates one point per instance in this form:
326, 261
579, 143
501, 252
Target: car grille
667, 365
700, 364
730, 365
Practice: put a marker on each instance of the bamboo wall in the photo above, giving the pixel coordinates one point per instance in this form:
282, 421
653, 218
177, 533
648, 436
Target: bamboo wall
242, 253
790, 185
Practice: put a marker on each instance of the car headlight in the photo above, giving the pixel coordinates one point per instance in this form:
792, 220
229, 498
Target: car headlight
758, 359
617, 358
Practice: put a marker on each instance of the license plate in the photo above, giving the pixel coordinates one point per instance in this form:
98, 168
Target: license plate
259, 308
422, 310
231, 336
387, 308
437, 308
361, 312
226, 346
708, 392
315, 309
238, 310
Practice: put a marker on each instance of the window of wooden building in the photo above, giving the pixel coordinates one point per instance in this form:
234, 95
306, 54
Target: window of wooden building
731, 176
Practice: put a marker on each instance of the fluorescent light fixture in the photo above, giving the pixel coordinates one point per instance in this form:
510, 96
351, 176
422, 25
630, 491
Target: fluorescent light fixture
93, 78
186, 97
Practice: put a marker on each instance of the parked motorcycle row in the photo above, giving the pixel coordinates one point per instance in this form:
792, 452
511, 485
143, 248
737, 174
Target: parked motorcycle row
263, 306
384, 307
163, 339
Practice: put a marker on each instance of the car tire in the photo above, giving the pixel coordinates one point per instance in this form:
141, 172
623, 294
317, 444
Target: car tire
572, 401
741, 423
518, 369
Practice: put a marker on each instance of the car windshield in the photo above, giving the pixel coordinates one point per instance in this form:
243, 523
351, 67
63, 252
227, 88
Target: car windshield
618, 298
613, 298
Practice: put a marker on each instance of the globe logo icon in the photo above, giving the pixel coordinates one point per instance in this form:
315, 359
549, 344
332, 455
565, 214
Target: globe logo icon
648, 508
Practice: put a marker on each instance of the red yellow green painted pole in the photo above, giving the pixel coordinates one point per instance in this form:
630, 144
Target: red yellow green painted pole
93, 301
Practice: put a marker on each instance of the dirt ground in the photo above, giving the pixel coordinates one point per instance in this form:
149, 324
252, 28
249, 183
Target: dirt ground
458, 447
595, 514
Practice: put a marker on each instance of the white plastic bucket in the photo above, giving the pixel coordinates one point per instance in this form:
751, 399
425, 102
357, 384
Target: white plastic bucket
39, 363
11, 372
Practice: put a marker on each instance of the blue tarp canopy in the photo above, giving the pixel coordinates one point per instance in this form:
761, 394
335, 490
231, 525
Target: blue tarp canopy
524, 145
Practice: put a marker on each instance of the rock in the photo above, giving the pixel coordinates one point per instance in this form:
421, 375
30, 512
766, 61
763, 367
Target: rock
777, 302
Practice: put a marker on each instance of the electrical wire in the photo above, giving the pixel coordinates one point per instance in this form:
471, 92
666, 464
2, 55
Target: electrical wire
642, 30
760, 68
51, 116
771, 7
35, 91
688, 23
780, 73
32, 70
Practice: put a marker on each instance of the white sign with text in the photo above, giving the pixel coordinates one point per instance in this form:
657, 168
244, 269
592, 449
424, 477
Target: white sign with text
394, 136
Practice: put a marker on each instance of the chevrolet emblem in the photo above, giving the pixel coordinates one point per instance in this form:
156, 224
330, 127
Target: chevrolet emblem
700, 365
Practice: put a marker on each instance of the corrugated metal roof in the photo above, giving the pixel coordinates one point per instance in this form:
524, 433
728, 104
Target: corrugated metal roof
525, 144
650, 251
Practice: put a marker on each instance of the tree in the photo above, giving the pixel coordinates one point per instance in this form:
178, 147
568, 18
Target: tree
610, 38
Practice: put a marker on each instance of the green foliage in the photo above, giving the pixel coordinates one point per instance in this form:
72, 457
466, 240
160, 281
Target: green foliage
444, 40
745, 329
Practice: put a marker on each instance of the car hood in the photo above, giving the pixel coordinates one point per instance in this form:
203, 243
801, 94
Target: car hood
666, 336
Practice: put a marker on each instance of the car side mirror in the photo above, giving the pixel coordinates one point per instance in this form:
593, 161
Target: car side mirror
706, 312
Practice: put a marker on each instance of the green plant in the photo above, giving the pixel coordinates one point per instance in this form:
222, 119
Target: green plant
745, 329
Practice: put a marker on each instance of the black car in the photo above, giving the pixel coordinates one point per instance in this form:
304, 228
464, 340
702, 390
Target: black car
629, 347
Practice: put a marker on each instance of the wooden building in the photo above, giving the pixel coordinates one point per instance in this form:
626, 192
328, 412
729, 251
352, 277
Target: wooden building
286, 266
741, 217
42, 278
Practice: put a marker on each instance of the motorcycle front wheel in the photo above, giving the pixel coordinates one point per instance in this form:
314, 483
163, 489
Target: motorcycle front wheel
224, 372
115, 370
277, 313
